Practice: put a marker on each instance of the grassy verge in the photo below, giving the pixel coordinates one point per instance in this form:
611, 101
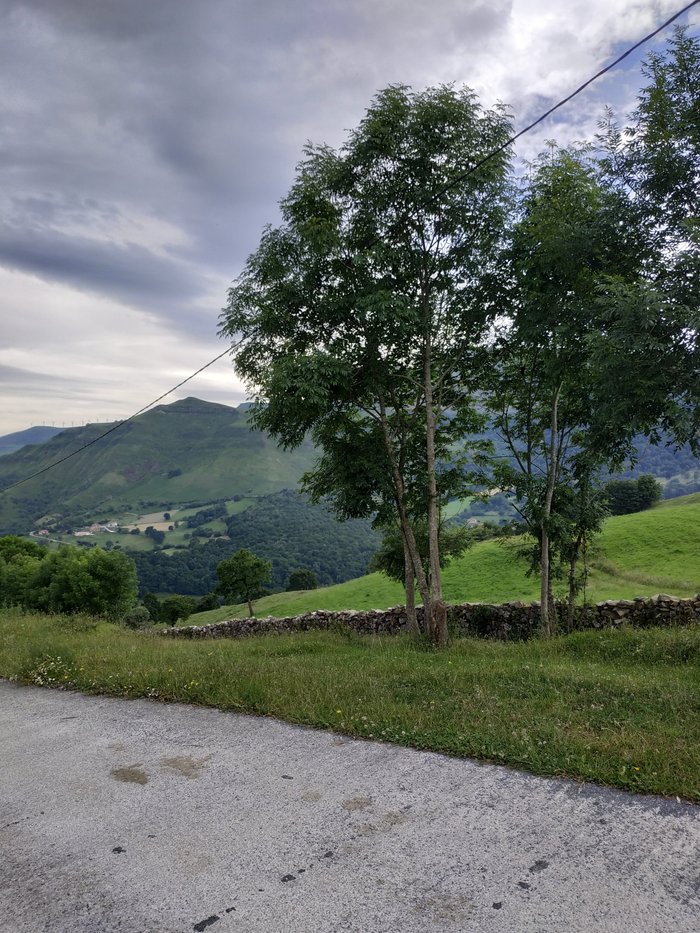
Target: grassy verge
619, 708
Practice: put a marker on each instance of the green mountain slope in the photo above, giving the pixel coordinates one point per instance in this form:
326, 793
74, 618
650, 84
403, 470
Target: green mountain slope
190, 450
636, 555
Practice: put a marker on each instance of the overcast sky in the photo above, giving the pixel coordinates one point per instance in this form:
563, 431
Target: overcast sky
145, 143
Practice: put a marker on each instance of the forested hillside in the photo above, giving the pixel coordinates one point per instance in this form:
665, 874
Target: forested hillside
283, 528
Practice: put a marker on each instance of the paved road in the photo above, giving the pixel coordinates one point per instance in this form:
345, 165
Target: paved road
120, 815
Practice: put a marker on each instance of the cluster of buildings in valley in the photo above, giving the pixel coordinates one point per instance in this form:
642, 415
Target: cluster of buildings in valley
96, 529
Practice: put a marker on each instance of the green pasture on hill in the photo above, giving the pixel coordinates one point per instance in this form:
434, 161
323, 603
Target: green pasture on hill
692, 499
636, 555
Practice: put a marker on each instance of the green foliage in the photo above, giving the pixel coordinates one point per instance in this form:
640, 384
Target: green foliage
389, 558
242, 577
138, 618
203, 516
302, 579
625, 496
154, 534
647, 351
12, 546
656, 389
176, 609
359, 315
152, 605
71, 580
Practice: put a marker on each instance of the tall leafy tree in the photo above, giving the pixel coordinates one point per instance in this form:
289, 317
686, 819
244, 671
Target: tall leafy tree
647, 350
367, 302
567, 237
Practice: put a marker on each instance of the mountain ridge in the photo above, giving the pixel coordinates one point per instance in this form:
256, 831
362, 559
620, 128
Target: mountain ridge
37, 434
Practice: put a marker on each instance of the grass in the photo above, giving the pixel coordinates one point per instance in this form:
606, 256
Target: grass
662, 544
455, 507
620, 708
636, 555
692, 499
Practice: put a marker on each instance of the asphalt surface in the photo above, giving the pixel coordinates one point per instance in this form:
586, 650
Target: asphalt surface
130, 815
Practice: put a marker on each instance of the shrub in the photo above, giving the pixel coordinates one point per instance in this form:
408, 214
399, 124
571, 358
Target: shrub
138, 618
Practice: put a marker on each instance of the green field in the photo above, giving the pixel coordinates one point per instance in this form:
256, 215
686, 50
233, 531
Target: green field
636, 555
140, 542
692, 499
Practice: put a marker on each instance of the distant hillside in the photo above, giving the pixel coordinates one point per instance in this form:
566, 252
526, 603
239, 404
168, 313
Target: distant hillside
9, 443
188, 451
283, 528
193, 451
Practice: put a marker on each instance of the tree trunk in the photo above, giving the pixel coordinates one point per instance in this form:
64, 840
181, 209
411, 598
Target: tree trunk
411, 616
573, 564
546, 614
437, 615
250, 608
405, 524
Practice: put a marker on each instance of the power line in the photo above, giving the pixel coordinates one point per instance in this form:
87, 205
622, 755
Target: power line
564, 100
451, 184
118, 425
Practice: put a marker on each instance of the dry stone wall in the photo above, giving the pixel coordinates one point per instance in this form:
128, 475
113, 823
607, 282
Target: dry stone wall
515, 621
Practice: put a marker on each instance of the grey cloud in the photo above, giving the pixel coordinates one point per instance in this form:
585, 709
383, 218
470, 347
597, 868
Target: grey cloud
30, 383
195, 113
129, 272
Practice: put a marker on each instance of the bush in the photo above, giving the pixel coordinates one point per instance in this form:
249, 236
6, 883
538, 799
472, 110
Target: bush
71, 580
625, 496
302, 579
138, 618
176, 609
